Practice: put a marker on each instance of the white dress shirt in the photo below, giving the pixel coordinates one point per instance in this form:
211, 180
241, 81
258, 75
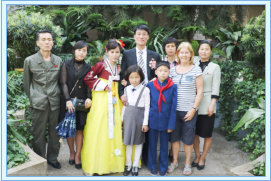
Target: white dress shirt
144, 55
143, 102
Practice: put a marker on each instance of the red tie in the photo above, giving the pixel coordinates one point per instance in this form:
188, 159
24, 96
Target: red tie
161, 96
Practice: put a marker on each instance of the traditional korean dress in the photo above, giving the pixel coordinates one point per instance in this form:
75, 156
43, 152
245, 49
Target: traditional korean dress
103, 150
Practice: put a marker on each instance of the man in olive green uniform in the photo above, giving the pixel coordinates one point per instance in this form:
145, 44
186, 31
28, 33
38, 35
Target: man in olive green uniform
41, 75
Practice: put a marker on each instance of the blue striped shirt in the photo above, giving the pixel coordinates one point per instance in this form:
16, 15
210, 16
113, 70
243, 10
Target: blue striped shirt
186, 91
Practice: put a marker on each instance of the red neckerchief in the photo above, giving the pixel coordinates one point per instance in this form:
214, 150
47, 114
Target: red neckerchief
161, 96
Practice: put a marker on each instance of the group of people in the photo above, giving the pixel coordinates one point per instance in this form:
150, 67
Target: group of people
130, 106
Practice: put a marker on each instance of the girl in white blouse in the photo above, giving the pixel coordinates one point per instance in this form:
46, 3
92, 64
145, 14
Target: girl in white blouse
135, 117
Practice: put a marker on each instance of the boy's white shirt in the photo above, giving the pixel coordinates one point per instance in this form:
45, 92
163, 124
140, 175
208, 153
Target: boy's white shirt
143, 102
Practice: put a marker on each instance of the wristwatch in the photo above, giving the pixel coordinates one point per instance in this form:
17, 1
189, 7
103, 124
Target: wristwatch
195, 108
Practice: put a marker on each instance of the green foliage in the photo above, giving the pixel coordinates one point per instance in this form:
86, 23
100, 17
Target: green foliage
259, 169
251, 115
229, 41
239, 91
21, 34
253, 40
17, 129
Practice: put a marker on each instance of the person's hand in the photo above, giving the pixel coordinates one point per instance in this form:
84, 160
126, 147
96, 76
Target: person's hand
123, 99
189, 115
107, 89
153, 79
70, 106
88, 103
145, 128
169, 130
124, 82
211, 109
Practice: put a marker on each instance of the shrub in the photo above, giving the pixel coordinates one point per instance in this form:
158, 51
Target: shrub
253, 41
21, 34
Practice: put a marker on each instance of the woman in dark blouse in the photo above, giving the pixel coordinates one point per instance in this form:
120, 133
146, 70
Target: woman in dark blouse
72, 83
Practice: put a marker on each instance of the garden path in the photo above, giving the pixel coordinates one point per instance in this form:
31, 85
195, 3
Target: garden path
224, 155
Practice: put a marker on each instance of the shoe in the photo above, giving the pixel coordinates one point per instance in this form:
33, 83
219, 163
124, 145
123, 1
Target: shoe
54, 164
162, 173
78, 166
71, 162
154, 172
126, 171
194, 164
187, 170
201, 167
172, 167
135, 171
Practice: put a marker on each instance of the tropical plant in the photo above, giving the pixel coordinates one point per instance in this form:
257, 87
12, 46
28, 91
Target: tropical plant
229, 41
251, 115
253, 40
21, 34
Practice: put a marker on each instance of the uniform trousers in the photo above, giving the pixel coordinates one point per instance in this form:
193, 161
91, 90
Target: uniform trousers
152, 150
40, 119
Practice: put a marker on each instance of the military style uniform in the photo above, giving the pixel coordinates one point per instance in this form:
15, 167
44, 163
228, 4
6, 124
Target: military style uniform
41, 84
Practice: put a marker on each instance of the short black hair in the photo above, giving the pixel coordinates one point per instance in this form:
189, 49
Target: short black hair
162, 63
112, 44
78, 45
43, 31
141, 27
134, 68
206, 42
170, 40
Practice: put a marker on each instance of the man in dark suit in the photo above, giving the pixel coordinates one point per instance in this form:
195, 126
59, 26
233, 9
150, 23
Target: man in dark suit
143, 57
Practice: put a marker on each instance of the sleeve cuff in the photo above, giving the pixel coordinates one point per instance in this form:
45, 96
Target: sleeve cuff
99, 85
215, 96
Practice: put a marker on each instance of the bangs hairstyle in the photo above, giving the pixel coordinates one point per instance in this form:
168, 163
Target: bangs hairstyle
43, 31
206, 42
78, 45
112, 44
170, 40
188, 46
134, 68
142, 27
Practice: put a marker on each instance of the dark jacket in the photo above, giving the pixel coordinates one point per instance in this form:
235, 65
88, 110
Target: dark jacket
129, 58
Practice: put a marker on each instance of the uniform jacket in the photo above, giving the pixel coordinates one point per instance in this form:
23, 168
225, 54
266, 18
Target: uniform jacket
211, 84
129, 58
167, 117
41, 84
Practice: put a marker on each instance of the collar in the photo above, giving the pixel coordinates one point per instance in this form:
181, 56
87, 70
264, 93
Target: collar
144, 50
136, 87
161, 84
41, 60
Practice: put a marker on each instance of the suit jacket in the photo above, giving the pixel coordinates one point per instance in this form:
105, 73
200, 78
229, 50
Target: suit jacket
41, 83
211, 84
129, 58
167, 117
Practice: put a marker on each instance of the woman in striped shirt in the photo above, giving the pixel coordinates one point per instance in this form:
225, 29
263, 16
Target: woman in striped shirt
189, 79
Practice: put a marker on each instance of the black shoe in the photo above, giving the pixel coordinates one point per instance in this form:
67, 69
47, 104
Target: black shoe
54, 164
135, 171
194, 164
154, 172
126, 171
78, 166
162, 173
71, 162
201, 167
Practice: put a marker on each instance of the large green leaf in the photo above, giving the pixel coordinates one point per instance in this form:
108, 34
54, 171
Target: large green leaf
229, 50
250, 115
261, 103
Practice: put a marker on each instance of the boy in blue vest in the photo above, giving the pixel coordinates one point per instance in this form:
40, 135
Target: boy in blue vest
162, 116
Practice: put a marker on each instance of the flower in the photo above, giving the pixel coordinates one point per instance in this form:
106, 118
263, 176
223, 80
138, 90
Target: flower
117, 152
56, 66
121, 43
